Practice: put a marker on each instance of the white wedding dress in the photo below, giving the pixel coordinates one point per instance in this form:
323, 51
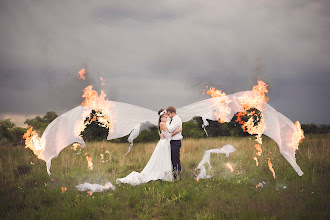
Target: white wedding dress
159, 167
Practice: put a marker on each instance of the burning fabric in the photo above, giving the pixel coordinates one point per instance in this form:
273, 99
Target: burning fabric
122, 119
227, 149
86, 187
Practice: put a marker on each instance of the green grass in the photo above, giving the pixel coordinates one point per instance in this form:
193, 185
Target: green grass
227, 195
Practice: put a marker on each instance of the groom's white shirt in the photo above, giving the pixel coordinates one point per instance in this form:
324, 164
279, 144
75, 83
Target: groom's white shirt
175, 124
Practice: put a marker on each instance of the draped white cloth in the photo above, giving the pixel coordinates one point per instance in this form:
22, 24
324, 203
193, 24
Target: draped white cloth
159, 166
227, 149
95, 187
127, 119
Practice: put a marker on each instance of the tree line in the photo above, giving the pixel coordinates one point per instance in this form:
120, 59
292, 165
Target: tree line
11, 134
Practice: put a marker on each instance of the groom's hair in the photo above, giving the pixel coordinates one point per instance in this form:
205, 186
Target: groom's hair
171, 109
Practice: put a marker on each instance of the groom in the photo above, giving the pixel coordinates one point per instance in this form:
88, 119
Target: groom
172, 125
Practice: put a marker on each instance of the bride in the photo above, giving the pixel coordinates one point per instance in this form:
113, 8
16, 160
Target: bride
159, 166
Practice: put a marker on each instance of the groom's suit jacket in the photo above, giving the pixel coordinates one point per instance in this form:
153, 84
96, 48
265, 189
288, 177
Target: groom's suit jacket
173, 126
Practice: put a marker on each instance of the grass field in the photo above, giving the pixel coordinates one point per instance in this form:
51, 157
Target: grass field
28, 192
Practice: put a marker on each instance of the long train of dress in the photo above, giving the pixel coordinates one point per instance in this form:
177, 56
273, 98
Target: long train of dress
159, 167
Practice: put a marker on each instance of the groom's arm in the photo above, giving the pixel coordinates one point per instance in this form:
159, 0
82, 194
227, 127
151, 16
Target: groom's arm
176, 123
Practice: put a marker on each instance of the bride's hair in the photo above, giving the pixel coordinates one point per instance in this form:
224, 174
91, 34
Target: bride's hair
160, 118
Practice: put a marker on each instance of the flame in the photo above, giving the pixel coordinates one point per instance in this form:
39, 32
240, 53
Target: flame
92, 99
90, 193
76, 146
81, 74
297, 136
63, 189
98, 103
256, 159
259, 185
46, 184
258, 148
258, 97
229, 166
270, 165
251, 127
33, 141
89, 161
197, 180
215, 93
239, 117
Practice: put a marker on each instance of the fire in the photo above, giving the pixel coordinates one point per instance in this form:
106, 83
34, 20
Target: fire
89, 161
256, 159
197, 180
215, 93
259, 185
90, 193
251, 127
258, 148
33, 141
297, 136
258, 97
229, 166
63, 189
98, 103
92, 99
239, 118
270, 165
81, 74
76, 146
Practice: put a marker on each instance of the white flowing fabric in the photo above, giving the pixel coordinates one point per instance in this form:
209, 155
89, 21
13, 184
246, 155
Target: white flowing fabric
95, 187
159, 166
127, 119
227, 149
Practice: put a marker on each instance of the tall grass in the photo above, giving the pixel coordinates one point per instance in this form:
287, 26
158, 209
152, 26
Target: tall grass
28, 192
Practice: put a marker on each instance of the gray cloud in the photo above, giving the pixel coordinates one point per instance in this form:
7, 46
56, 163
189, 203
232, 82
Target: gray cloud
154, 54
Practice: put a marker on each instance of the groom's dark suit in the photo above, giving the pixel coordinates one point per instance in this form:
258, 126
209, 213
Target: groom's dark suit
172, 126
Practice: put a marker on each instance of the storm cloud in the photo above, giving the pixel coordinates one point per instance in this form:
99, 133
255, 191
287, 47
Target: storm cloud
159, 53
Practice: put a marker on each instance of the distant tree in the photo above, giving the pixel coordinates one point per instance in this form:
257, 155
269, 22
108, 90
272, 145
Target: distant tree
16, 134
5, 126
94, 130
39, 124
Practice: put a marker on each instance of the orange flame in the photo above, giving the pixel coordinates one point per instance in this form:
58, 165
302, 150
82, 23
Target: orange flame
297, 136
258, 97
270, 165
256, 159
215, 93
90, 193
239, 118
258, 148
81, 74
197, 180
259, 185
76, 146
32, 141
89, 161
98, 103
63, 189
230, 167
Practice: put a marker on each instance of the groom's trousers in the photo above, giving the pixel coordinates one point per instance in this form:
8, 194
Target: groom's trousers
175, 155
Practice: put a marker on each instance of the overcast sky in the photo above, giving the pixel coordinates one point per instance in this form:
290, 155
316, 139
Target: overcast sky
159, 53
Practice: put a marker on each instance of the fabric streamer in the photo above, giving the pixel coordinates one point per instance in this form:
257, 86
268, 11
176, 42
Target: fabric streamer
95, 187
227, 149
127, 119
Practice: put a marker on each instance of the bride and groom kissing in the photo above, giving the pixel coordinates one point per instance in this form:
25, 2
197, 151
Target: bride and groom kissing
164, 163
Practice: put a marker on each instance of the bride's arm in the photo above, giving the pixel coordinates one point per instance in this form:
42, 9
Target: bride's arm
162, 128
177, 131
